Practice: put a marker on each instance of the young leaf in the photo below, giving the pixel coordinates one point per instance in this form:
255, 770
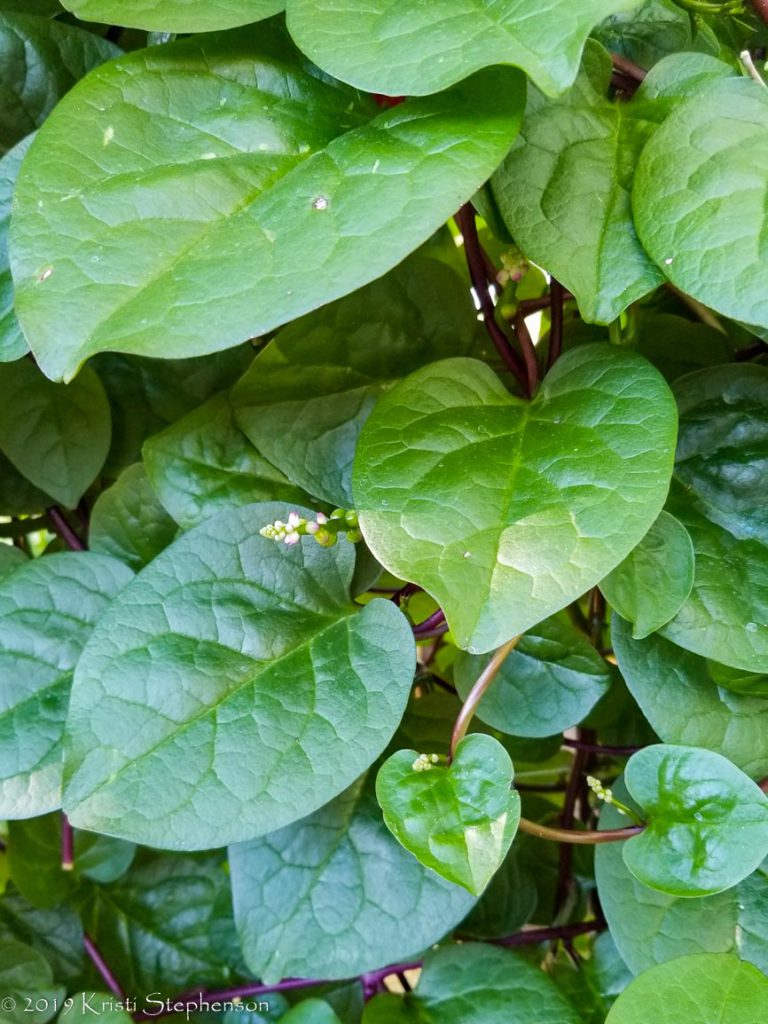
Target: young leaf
458, 819
13, 344
335, 895
128, 522
707, 822
204, 464
524, 506
697, 990
278, 162
263, 686
306, 396
56, 435
549, 682
681, 697
653, 582
26, 983
387, 47
174, 15
715, 257
48, 608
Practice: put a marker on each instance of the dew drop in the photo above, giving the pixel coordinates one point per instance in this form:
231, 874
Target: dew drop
321, 203
751, 627
467, 554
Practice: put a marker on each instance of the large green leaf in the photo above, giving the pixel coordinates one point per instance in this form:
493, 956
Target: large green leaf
128, 522
695, 989
506, 510
249, 161
40, 60
26, 983
56, 435
458, 819
651, 927
389, 47
335, 895
551, 681
721, 497
707, 822
174, 15
56, 934
655, 30
564, 190
681, 697
13, 344
708, 240
229, 643
204, 463
47, 611
470, 983
306, 396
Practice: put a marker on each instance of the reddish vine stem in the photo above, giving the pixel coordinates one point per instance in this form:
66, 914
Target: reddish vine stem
67, 844
64, 530
528, 349
578, 837
427, 628
465, 218
477, 692
557, 293
628, 67
600, 748
567, 818
102, 967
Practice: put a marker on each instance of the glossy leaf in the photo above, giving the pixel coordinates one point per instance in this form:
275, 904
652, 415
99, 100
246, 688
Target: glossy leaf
210, 631
458, 819
549, 682
26, 981
204, 463
653, 582
336, 895
696, 989
655, 30
56, 435
128, 522
278, 162
707, 822
706, 239
56, 934
306, 396
13, 344
40, 60
562, 488
681, 697
48, 608
174, 15
386, 47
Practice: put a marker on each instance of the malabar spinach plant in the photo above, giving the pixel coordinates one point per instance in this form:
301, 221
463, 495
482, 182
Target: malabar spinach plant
383, 511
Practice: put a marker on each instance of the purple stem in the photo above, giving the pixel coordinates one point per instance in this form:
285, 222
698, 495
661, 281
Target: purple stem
64, 530
102, 967
67, 844
598, 748
436, 621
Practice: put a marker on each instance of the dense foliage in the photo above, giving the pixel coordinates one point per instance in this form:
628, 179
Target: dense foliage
384, 511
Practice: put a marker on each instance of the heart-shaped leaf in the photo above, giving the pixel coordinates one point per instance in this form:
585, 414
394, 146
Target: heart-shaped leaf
291, 915
458, 819
245, 665
386, 46
174, 15
695, 989
128, 522
653, 582
506, 510
179, 256
27, 984
707, 822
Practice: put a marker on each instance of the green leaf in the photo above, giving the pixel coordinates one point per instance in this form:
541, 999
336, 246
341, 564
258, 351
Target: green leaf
204, 463
681, 696
311, 1011
47, 611
653, 582
13, 344
564, 191
387, 47
706, 239
10, 558
697, 990
676, 346
85, 1005
655, 30
508, 902
56, 435
707, 822
738, 681
26, 981
335, 895
17, 495
549, 682
40, 60
651, 927
721, 497
128, 522
470, 983
213, 628
458, 819
56, 934
174, 15
562, 488
278, 162
306, 396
